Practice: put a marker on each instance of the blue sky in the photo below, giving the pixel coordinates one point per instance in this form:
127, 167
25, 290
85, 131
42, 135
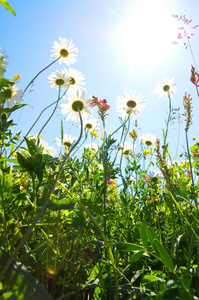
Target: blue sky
103, 30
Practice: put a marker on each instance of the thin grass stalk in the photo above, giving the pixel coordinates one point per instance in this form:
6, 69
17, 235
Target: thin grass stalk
41, 212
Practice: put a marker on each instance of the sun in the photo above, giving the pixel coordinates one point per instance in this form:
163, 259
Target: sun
147, 34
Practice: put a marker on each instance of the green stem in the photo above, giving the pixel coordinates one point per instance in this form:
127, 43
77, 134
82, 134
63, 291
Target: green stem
57, 102
41, 212
37, 121
40, 73
167, 128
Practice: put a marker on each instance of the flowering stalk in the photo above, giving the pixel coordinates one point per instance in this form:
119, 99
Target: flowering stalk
188, 118
45, 204
195, 79
103, 106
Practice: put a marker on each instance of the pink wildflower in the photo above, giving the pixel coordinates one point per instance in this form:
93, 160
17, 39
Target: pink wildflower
110, 181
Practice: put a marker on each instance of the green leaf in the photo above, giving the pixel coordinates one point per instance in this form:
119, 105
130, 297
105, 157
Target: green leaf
7, 6
136, 256
151, 234
163, 255
151, 278
186, 279
195, 147
32, 147
15, 107
61, 204
5, 82
143, 234
129, 247
22, 284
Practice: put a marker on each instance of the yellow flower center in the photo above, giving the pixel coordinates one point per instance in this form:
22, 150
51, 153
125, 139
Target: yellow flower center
72, 80
67, 144
9, 93
64, 53
88, 125
59, 81
166, 88
77, 105
154, 179
148, 143
131, 103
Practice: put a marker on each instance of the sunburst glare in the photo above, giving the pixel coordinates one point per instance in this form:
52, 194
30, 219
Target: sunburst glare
146, 34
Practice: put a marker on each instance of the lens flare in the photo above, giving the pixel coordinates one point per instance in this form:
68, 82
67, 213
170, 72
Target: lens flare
51, 271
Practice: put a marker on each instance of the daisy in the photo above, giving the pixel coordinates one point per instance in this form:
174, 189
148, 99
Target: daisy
92, 146
75, 104
13, 95
65, 50
59, 79
166, 89
4, 58
126, 149
75, 78
155, 175
131, 104
46, 149
91, 124
148, 139
67, 140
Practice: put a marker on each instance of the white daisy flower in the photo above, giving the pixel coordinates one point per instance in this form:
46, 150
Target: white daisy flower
91, 124
75, 78
68, 140
131, 104
166, 89
13, 95
126, 149
66, 50
155, 175
46, 149
59, 79
148, 139
92, 146
75, 104
5, 58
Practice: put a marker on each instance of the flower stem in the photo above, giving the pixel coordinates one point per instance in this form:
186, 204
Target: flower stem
40, 73
167, 128
57, 102
37, 121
